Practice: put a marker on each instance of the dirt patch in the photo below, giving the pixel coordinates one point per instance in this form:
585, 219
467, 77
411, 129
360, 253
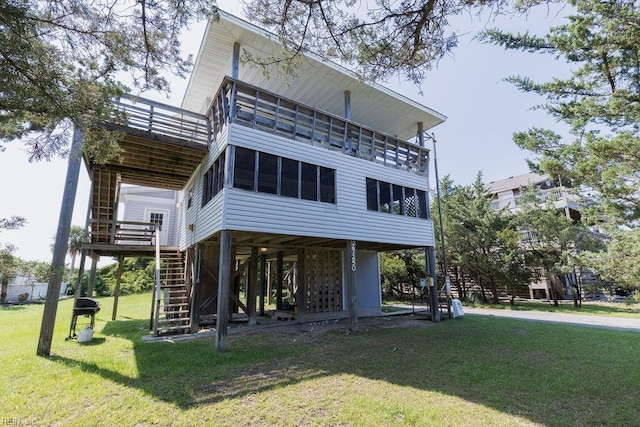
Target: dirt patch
309, 331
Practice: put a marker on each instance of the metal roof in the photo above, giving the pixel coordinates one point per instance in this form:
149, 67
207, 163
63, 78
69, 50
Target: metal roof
316, 83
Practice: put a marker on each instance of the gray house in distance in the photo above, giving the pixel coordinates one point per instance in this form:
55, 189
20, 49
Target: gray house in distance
319, 170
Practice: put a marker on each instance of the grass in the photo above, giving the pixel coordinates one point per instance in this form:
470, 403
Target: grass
470, 371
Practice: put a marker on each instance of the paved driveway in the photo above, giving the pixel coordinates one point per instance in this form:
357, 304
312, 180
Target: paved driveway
620, 323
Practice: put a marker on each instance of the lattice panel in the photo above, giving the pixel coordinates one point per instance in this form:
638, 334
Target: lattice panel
323, 281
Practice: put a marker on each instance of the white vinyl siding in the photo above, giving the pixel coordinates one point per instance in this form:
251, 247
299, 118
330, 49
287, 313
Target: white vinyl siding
135, 207
347, 219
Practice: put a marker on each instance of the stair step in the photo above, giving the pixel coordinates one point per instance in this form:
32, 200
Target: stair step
174, 320
178, 304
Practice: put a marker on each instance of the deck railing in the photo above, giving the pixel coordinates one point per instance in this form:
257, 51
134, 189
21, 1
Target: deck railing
122, 232
151, 116
241, 103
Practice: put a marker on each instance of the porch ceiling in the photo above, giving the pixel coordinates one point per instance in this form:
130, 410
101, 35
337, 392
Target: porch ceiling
153, 160
318, 84
244, 240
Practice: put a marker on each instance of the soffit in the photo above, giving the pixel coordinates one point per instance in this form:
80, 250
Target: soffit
317, 84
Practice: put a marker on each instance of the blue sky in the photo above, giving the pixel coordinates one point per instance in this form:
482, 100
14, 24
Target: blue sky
483, 112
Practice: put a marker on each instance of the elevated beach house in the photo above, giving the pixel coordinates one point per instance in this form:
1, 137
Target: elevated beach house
312, 173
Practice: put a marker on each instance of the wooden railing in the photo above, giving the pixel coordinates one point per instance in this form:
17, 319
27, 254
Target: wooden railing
241, 103
151, 116
122, 232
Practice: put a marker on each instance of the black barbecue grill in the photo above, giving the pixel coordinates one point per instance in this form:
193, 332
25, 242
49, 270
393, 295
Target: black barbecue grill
83, 307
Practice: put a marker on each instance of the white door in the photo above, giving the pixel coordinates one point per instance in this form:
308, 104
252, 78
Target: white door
160, 217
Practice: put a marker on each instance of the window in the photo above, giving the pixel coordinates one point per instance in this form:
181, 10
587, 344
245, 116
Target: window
393, 198
398, 200
289, 178
156, 218
219, 167
244, 168
267, 173
422, 204
327, 185
385, 197
212, 181
309, 180
372, 194
189, 197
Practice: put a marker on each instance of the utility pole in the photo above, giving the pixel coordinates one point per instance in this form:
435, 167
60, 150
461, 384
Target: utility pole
430, 252
60, 247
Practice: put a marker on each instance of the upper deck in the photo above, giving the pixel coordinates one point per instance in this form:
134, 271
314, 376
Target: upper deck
247, 105
315, 82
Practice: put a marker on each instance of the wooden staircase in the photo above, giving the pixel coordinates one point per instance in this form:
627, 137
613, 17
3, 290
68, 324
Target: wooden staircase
172, 306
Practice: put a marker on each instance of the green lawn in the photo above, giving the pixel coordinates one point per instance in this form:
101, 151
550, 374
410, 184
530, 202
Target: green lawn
395, 371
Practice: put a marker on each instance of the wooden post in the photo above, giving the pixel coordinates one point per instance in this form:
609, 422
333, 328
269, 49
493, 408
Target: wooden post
60, 246
224, 284
279, 279
92, 275
235, 61
301, 297
351, 285
195, 294
252, 285
116, 292
263, 281
269, 283
430, 258
347, 105
78, 290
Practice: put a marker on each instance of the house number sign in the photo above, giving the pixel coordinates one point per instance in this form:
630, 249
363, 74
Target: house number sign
353, 256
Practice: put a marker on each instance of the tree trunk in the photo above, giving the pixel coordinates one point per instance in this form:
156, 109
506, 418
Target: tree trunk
494, 291
73, 263
484, 295
5, 287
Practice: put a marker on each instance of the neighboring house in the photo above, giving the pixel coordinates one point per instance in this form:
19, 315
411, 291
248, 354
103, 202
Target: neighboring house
506, 193
320, 170
24, 289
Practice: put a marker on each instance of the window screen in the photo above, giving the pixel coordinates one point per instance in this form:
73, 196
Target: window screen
372, 194
327, 185
309, 181
244, 168
289, 178
267, 173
